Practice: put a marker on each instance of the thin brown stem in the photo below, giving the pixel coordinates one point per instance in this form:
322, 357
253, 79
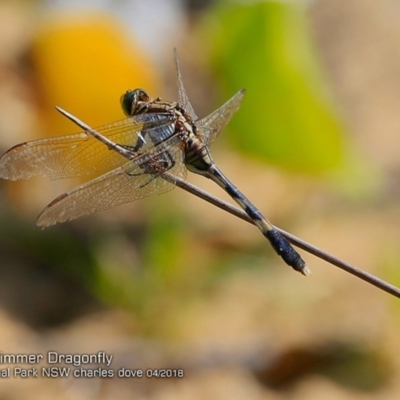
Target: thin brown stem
365, 276
351, 269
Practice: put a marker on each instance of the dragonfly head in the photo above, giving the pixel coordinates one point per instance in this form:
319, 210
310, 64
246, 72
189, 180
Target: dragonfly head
132, 101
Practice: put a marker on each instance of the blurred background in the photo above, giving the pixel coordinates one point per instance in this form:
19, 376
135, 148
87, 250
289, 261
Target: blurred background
171, 281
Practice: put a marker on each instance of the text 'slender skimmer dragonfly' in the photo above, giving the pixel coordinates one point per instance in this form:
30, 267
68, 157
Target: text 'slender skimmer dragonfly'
158, 138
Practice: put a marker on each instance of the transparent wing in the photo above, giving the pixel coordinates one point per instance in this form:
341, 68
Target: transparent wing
135, 180
182, 95
77, 154
209, 127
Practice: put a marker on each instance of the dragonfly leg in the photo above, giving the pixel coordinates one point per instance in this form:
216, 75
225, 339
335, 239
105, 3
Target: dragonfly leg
156, 167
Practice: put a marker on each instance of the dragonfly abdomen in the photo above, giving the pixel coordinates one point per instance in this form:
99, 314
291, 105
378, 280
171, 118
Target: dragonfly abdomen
278, 242
286, 251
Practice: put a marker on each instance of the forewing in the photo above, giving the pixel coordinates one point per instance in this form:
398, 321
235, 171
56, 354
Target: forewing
76, 154
122, 185
209, 127
182, 95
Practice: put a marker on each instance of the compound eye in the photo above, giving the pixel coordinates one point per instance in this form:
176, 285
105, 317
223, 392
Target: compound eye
128, 101
131, 98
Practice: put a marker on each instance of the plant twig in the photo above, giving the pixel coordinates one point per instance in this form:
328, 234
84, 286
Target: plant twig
351, 269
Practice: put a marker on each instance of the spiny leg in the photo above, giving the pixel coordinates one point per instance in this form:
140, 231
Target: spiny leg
278, 242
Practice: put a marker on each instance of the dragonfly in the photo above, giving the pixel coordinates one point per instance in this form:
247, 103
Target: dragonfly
135, 158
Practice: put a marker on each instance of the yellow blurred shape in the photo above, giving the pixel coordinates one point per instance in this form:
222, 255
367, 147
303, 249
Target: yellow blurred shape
84, 63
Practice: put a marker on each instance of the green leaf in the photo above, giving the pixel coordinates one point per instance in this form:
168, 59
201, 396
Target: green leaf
287, 116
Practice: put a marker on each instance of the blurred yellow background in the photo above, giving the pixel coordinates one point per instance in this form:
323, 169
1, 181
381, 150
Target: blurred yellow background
171, 281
